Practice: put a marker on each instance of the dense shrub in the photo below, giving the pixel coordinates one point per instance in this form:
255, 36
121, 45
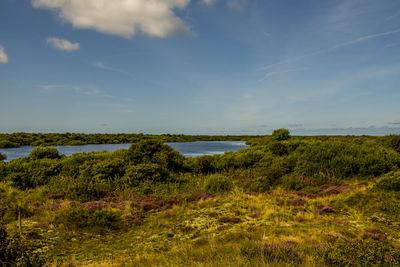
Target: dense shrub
44, 152
202, 164
86, 218
151, 151
111, 168
261, 184
391, 183
280, 134
293, 182
2, 157
72, 166
144, 172
341, 160
362, 253
15, 252
30, 174
217, 184
278, 148
373, 203
267, 177
82, 188
395, 143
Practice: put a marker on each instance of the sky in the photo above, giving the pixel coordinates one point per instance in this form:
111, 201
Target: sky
200, 66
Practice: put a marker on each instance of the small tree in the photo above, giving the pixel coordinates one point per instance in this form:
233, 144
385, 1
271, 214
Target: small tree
44, 153
395, 143
281, 134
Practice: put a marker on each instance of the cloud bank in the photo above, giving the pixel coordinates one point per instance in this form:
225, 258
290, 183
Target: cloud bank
3, 56
121, 17
61, 44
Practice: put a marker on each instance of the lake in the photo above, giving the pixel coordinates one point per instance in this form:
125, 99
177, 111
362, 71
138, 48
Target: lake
188, 149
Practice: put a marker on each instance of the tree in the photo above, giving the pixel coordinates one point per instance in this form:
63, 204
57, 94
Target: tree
280, 134
151, 151
44, 153
395, 143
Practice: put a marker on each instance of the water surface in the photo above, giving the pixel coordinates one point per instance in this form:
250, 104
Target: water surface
188, 149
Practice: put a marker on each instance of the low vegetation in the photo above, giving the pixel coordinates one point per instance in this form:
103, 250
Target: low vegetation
283, 201
56, 139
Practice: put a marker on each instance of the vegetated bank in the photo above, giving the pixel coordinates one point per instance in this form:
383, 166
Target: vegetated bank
61, 139
284, 201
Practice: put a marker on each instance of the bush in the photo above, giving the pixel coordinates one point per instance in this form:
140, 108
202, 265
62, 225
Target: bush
82, 188
395, 143
278, 148
266, 177
86, 218
293, 182
44, 152
111, 168
202, 164
217, 184
343, 160
151, 151
261, 184
2, 157
391, 183
362, 253
280, 134
30, 174
15, 252
144, 172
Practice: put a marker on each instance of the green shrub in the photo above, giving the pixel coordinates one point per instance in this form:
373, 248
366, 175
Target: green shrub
280, 134
293, 182
391, 183
260, 184
343, 160
373, 203
217, 184
111, 168
78, 217
267, 177
278, 148
202, 164
144, 172
2, 157
151, 151
82, 188
30, 174
15, 252
362, 253
44, 152
395, 143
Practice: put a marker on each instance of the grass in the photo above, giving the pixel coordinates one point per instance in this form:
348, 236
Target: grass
191, 232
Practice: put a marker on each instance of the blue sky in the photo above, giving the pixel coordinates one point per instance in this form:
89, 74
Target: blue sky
200, 66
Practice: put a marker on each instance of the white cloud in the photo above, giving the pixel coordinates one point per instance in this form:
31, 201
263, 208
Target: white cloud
101, 65
3, 56
207, 2
121, 17
61, 44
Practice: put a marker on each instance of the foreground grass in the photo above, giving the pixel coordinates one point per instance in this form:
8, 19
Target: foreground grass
236, 229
